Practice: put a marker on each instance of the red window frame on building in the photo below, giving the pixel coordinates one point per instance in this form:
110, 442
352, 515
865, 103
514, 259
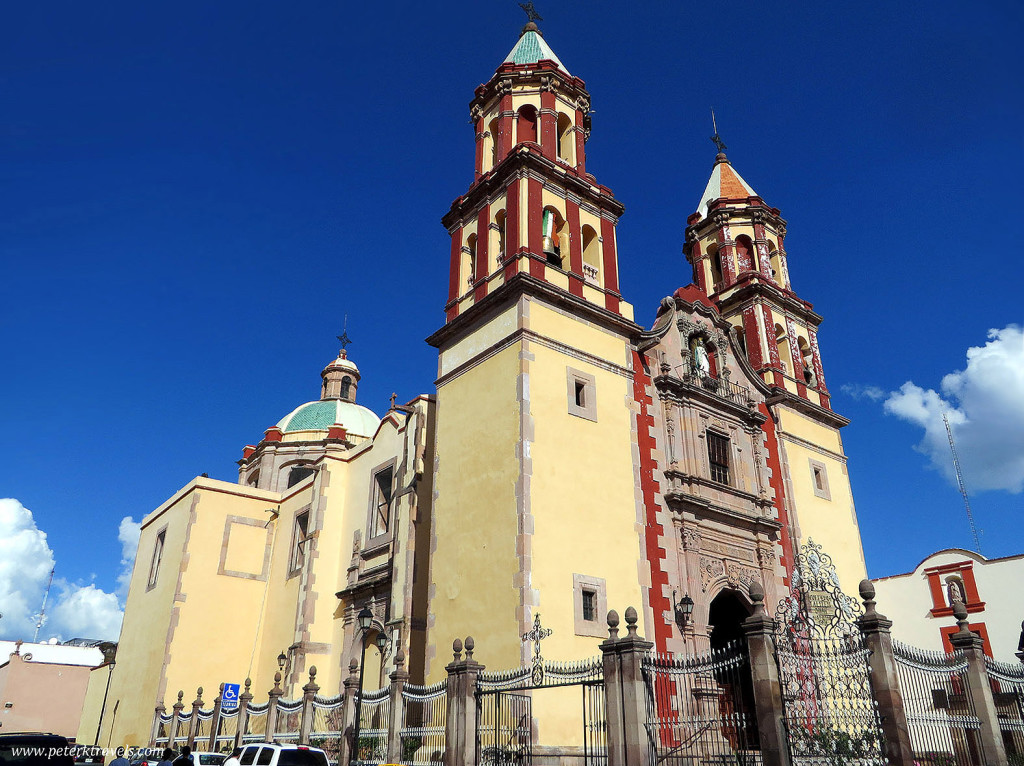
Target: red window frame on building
974, 627
965, 570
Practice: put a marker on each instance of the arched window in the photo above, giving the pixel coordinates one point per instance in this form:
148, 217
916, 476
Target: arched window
746, 257
346, 387
469, 259
807, 358
254, 479
554, 236
298, 473
491, 142
782, 341
591, 256
499, 221
716, 268
526, 124
566, 139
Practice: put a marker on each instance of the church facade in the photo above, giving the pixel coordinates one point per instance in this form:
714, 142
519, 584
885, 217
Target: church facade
570, 460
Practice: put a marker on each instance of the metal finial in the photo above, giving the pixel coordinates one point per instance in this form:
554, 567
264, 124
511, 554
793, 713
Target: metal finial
343, 338
531, 12
717, 139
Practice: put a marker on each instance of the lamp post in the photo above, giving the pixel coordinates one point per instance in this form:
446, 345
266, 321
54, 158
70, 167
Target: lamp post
364, 618
282, 662
684, 609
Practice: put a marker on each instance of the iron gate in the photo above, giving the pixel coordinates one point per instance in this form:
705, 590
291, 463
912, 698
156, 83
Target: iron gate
504, 728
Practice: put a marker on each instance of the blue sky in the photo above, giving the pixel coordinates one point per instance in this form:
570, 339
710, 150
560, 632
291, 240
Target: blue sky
193, 196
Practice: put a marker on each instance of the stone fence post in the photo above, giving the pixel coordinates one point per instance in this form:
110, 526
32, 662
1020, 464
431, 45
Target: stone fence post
992, 747
193, 724
243, 713
176, 709
215, 721
460, 728
348, 714
308, 693
885, 683
273, 695
399, 678
159, 711
624, 694
764, 671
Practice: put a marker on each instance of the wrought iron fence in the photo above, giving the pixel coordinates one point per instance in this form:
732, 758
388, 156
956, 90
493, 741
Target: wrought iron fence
831, 716
944, 729
181, 734
1008, 693
328, 721
504, 728
424, 714
700, 707
256, 724
374, 712
204, 722
289, 717
163, 728
226, 729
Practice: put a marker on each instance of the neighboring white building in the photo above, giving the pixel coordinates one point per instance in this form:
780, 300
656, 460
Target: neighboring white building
919, 603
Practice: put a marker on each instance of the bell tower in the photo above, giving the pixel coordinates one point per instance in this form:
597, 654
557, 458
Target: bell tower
536, 418
532, 207
735, 244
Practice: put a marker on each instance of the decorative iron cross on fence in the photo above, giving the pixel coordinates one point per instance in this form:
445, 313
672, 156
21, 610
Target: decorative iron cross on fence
536, 635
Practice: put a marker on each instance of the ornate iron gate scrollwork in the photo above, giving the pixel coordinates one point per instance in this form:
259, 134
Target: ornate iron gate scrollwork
830, 712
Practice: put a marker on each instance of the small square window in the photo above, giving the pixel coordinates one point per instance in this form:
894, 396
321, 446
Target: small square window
819, 479
582, 396
590, 603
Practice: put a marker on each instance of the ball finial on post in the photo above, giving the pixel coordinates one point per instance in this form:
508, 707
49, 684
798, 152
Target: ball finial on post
613, 624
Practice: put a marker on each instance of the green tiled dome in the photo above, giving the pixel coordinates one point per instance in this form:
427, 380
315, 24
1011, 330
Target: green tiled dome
320, 416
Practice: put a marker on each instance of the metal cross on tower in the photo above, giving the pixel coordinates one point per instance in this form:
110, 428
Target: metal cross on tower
536, 635
717, 139
345, 340
531, 12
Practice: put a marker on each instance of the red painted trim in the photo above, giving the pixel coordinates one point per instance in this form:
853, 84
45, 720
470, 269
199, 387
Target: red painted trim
763, 256
935, 588
653, 530
970, 585
819, 372
974, 627
572, 219
752, 337
273, 435
504, 137
512, 241
610, 265
451, 313
774, 460
698, 271
824, 400
548, 134
947, 611
611, 302
535, 215
773, 346
479, 147
483, 241
247, 451
725, 256
453, 267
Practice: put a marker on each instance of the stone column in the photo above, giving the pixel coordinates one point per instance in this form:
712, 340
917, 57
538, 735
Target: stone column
274, 695
159, 711
625, 704
308, 693
760, 631
193, 724
885, 680
215, 721
991, 740
176, 709
243, 712
460, 728
399, 678
348, 713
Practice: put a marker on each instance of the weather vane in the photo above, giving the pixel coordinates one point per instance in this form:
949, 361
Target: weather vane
345, 340
717, 139
531, 12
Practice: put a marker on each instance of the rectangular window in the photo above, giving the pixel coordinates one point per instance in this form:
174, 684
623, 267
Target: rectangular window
381, 519
300, 537
718, 456
582, 394
158, 554
819, 479
590, 605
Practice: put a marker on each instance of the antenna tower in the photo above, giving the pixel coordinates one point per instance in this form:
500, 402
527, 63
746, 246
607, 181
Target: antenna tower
960, 482
42, 610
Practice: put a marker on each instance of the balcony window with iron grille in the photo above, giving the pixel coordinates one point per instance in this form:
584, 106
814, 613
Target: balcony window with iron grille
718, 457
380, 510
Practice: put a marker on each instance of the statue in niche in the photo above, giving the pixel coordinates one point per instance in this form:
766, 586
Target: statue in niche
701, 364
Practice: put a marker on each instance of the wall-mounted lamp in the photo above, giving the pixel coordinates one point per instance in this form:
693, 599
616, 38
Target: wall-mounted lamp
282, 660
684, 609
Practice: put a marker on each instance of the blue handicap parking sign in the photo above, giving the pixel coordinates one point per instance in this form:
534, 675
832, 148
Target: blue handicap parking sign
229, 699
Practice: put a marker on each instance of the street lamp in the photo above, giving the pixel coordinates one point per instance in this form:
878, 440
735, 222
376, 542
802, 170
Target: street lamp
684, 609
365, 618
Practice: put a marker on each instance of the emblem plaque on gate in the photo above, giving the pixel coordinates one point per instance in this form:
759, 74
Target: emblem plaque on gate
816, 604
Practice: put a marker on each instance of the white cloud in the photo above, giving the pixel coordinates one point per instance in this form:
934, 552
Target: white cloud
74, 610
874, 393
128, 534
985, 407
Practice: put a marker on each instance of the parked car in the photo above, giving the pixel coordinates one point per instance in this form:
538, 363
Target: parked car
206, 758
35, 749
268, 754
147, 756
